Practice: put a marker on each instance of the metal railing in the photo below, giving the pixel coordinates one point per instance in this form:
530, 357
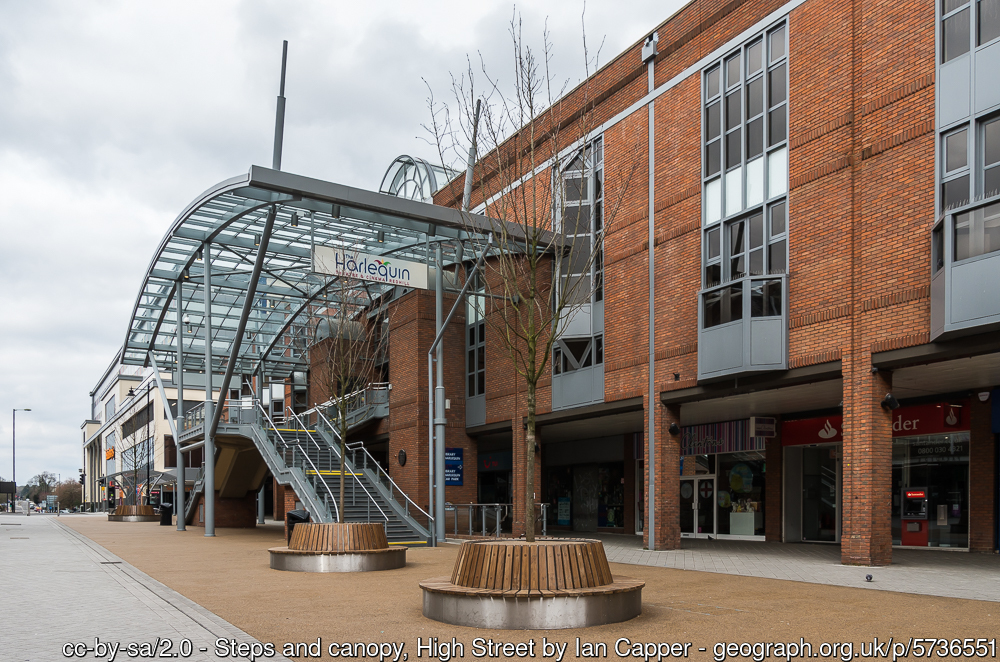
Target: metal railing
495, 513
295, 449
380, 473
356, 482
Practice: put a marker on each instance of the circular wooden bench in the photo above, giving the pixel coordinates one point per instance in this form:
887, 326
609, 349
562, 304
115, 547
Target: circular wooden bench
337, 547
133, 514
552, 583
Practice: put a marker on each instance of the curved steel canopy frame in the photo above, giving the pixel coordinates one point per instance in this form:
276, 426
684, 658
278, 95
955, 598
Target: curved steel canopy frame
231, 217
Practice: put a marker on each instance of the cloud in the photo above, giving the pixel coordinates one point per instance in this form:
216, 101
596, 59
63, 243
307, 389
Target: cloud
115, 115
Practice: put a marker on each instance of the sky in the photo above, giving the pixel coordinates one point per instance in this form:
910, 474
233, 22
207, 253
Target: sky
114, 115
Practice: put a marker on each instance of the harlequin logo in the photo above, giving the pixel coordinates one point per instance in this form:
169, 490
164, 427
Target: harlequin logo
348, 265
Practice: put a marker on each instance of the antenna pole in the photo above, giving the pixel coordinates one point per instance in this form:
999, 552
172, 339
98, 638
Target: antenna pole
279, 119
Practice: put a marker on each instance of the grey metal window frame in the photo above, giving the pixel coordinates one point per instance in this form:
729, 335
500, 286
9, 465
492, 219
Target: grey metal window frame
748, 208
592, 171
475, 338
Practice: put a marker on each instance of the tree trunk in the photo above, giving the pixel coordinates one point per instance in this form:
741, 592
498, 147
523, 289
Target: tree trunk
529, 479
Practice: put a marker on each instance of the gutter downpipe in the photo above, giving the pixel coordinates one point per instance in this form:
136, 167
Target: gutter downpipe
649, 57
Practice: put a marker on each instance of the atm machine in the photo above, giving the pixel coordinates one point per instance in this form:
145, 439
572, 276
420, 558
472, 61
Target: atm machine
914, 516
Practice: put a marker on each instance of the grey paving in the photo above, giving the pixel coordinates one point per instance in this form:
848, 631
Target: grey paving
65, 589
931, 572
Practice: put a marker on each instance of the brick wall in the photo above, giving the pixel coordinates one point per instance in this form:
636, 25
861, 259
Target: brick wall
230, 513
982, 478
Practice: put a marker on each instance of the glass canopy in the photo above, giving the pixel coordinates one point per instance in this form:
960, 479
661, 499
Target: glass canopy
227, 223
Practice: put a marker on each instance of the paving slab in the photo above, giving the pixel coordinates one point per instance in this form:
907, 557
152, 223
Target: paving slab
70, 591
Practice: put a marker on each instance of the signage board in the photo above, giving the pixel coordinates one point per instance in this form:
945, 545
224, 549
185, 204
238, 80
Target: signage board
373, 268
763, 426
562, 514
109, 454
495, 461
7, 487
453, 466
808, 431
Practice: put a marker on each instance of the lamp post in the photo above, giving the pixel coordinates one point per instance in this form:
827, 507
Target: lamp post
13, 449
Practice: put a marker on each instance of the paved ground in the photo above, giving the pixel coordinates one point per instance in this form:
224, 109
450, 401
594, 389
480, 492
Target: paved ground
947, 574
230, 576
66, 589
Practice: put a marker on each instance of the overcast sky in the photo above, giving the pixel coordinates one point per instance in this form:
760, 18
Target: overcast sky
116, 114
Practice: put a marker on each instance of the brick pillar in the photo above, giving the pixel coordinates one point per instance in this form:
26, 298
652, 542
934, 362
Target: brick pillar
773, 504
667, 489
866, 537
982, 477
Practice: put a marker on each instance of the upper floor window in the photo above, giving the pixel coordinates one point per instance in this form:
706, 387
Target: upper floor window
580, 219
109, 408
965, 23
745, 179
970, 163
475, 329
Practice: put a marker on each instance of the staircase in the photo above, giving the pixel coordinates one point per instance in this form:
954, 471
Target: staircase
304, 452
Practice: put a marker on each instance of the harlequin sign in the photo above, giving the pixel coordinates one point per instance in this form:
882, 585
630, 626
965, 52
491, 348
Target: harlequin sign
374, 268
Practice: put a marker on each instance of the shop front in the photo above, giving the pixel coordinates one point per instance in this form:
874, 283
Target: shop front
589, 485
813, 479
722, 484
930, 475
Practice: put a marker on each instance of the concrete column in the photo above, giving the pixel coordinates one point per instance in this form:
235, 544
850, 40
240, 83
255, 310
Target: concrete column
866, 537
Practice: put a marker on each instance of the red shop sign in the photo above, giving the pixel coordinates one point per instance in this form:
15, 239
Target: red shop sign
821, 430
939, 418
930, 419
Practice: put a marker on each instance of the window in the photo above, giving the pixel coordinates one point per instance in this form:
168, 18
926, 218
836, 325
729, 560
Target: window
987, 21
109, 408
977, 232
955, 178
475, 332
581, 223
745, 179
991, 156
571, 354
956, 29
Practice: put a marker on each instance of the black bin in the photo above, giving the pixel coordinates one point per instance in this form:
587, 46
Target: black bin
166, 514
293, 517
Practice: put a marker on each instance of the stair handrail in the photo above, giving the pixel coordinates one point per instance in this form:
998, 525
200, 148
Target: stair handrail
337, 451
378, 468
274, 427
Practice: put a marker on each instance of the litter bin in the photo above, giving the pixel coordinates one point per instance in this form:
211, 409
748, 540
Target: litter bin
293, 517
166, 514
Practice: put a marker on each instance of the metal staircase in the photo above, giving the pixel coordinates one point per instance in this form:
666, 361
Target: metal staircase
304, 452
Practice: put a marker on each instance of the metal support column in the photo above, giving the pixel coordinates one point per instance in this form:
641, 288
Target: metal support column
181, 479
439, 416
209, 404
260, 505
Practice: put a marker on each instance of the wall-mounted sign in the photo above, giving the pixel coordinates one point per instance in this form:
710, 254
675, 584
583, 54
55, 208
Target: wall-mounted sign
563, 512
109, 454
806, 431
374, 268
453, 466
495, 461
763, 426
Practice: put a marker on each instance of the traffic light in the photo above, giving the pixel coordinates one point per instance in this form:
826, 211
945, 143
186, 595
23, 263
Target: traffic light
81, 478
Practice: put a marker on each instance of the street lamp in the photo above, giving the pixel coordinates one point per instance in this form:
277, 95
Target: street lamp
13, 449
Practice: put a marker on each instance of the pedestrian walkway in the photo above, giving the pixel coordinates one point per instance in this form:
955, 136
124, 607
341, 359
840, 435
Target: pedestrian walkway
925, 572
68, 590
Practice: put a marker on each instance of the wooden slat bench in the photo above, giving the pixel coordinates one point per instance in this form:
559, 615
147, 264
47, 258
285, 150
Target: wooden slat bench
526, 577
337, 547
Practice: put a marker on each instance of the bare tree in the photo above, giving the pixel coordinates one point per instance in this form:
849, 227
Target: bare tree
351, 356
541, 161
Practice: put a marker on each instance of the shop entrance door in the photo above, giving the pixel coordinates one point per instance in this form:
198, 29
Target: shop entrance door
820, 494
697, 507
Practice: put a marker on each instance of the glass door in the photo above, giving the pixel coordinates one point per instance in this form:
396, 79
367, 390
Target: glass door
687, 508
705, 512
820, 492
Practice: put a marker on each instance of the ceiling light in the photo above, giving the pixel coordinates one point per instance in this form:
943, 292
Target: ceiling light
381, 237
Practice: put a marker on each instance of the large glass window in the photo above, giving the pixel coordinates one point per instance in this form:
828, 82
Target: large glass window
745, 179
740, 494
930, 479
580, 220
977, 232
475, 333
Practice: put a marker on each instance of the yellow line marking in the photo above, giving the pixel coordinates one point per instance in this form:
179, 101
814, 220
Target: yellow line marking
330, 473
415, 542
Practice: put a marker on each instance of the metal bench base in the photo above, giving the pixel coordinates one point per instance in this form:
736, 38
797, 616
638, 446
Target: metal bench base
296, 561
